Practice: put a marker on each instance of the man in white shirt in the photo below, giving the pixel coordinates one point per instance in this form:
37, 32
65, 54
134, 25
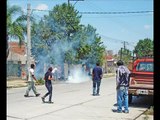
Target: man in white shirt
31, 83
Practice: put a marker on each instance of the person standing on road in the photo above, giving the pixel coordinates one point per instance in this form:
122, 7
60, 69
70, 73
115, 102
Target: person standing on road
96, 78
48, 83
122, 84
31, 83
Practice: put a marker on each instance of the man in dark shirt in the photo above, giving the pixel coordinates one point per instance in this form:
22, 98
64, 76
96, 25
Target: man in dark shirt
48, 77
96, 78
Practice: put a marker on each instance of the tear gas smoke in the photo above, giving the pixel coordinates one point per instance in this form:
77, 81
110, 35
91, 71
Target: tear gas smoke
52, 49
77, 75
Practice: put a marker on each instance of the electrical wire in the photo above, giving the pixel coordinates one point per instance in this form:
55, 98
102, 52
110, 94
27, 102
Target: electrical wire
128, 12
115, 40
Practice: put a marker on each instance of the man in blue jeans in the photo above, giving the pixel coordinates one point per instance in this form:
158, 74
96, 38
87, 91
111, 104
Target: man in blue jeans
48, 83
122, 82
96, 78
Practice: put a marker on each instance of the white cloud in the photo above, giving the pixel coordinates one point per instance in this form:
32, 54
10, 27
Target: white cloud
42, 7
147, 27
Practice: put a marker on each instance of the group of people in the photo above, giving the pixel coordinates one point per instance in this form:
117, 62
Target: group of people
31, 83
122, 84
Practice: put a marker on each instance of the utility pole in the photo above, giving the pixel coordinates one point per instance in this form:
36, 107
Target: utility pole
122, 51
28, 36
121, 54
124, 45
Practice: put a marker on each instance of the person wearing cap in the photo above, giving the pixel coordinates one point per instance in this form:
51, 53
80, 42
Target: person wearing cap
122, 84
48, 83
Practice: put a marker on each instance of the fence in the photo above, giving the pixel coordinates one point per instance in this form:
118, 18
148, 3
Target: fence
15, 70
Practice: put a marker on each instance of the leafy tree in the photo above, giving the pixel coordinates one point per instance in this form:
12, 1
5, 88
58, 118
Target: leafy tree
60, 38
93, 49
40, 44
88, 47
126, 55
144, 47
66, 16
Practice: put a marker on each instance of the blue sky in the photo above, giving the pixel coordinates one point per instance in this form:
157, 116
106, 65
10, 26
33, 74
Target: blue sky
113, 28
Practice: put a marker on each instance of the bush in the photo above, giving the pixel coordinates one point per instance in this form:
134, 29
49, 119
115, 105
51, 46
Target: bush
40, 81
110, 70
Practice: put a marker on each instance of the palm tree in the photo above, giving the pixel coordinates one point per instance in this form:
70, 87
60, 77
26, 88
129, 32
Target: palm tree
16, 24
16, 27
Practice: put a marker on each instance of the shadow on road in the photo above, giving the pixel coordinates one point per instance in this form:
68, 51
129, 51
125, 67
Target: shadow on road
30, 96
141, 102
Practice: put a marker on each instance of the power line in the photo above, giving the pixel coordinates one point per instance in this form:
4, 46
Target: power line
122, 0
115, 40
128, 12
116, 12
117, 16
108, 38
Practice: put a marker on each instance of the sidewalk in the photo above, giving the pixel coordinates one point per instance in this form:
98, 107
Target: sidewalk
23, 83
16, 83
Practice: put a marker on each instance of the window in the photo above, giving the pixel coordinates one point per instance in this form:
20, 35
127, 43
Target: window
145, 66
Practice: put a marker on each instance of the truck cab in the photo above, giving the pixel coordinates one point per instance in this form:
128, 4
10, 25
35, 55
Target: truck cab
141, 78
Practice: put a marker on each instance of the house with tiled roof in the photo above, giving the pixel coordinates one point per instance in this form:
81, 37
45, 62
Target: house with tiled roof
17, 52
110, 61
16, 60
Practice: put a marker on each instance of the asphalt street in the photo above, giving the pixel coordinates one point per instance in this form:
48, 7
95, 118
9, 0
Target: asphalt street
72, 101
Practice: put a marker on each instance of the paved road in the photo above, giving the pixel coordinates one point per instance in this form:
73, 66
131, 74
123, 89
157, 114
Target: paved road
72, 101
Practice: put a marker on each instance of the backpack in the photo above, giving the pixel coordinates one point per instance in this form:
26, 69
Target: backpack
123, 78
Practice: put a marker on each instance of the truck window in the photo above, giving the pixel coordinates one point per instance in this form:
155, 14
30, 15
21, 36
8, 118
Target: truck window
145, 66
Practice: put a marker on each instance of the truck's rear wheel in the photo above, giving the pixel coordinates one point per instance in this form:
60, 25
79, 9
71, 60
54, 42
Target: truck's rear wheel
130, 98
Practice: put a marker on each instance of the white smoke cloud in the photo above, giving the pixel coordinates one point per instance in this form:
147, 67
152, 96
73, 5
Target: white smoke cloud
57, 52
42, 7
77, 75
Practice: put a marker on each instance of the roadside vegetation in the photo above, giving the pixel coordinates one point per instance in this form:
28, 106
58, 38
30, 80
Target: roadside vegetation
144, 47
40, 81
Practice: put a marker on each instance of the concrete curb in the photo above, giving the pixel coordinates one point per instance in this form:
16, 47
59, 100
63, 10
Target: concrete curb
23, 83
145, 117
16, 83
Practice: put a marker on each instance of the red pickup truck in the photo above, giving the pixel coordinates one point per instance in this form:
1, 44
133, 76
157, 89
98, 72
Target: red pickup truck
141, 78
